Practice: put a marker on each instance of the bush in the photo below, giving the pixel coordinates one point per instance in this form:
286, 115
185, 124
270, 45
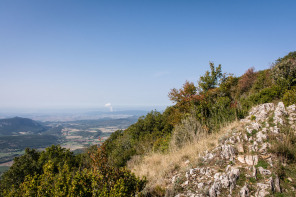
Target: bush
284, 71
99, 179
286, 147
289, 97
188, 131
246, 81
266, 95
147, 134
263, 80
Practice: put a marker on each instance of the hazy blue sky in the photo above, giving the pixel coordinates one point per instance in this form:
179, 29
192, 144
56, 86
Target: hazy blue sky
70, 53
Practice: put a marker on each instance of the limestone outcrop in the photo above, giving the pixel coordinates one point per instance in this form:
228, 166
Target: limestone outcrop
241, 165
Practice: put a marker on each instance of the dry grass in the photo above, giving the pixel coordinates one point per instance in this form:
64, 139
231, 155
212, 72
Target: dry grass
159, 168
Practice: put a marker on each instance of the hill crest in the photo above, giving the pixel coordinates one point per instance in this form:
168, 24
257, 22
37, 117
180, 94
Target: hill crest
18, 125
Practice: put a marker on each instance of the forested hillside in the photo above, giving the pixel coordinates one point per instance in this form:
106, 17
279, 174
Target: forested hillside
199, 112
17, 125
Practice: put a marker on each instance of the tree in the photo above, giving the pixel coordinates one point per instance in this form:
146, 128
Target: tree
211, 78
284, 71
246, 81
183, 94
23, 166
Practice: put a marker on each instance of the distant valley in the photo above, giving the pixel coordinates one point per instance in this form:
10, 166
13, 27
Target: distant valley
18, 133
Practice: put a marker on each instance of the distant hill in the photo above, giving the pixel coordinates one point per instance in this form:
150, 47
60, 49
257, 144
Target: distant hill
17, 125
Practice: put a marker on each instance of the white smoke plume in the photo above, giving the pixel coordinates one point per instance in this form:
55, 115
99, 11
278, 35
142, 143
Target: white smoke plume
109, 106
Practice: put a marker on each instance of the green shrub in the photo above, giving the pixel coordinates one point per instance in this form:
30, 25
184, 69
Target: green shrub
289, 97
253, 117
147, 134
266, 95
262, 81
284, 71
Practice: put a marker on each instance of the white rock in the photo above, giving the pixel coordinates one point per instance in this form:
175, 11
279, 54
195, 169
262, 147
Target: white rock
227, 152
217, 176
264, 171
279, 113
240, 148
224, 181
291, 109
264, 147
251, 159
233, 176
174, 179
246, 137
261, 190
244, 192
208, 156
192, 171
254, 146
185, 183
187, 175
274, 129
215, 189
261, 111
200, 185
241, 158
260, 136
254, 172
275, 184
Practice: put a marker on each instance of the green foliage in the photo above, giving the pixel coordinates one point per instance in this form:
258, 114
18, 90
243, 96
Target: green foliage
81, 183
32, 163
265, 95
284, 71
289, 98
228, 86
22, 166
20, 142
263, 80
55, 172
14, 125
253, 117
262, 163
211, 78
58, 156
147, 134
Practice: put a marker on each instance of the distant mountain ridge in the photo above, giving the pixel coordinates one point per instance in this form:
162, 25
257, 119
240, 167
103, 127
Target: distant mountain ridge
17, 125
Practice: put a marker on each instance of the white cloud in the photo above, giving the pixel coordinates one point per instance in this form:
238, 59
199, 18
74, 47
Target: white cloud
109, 106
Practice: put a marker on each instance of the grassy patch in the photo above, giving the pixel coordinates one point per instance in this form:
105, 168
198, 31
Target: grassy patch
252, 180
262, 163
270, 121
242, 177
253, 117
253, 133
286, 147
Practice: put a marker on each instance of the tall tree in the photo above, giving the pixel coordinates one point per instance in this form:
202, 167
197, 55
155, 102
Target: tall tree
211, 78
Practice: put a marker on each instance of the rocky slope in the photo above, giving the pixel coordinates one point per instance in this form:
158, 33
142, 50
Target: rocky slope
243, 164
